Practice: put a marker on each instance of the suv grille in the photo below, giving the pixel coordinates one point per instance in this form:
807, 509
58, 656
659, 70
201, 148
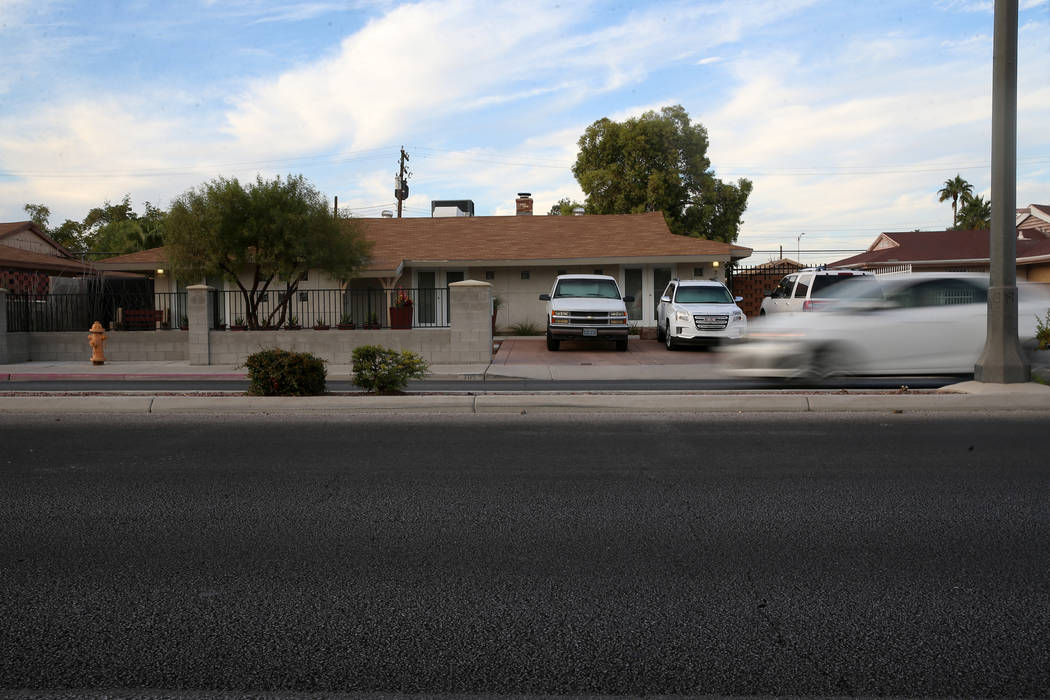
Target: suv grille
711, 323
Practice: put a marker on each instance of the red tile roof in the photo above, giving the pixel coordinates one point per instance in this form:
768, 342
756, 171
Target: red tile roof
937, 247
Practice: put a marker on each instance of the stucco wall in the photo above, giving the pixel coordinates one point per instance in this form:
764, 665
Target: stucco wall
520, 297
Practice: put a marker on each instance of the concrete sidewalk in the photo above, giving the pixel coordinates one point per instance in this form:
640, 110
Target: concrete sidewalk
1020, 398
962, 397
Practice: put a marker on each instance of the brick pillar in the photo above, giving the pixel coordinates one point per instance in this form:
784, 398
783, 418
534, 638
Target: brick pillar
202, 318
471, 320
3, 326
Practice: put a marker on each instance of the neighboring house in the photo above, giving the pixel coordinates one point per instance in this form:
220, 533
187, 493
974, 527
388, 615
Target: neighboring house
29, 259
961, 251
519, 255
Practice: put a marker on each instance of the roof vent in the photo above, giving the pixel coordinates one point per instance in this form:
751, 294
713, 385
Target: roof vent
387, 214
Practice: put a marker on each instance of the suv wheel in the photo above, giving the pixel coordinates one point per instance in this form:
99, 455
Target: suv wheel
552, 344
659, 333
668, 338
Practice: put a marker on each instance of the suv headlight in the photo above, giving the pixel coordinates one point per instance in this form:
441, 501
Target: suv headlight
738, 316
560, 316
683, 317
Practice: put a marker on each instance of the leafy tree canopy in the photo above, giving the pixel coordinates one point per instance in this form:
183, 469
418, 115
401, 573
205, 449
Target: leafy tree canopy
658, 162
273, 230
112, 229
564, 207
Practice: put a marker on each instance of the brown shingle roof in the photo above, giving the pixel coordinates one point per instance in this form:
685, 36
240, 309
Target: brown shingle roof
532, 238
148, 258
28, 260
506, 238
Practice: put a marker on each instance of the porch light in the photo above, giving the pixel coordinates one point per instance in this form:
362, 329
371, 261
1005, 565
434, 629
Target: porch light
714, 264
160, 270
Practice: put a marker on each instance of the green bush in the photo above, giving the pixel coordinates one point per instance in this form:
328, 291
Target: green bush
278, 372
1042, 331
384, 371
526, 328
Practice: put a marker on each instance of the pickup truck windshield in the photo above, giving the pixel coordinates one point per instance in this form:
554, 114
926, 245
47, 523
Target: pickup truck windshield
703, 295
601, 289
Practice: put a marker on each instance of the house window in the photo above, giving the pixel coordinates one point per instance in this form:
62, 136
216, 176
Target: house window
524, 274
698, 272
490, 275
599, 271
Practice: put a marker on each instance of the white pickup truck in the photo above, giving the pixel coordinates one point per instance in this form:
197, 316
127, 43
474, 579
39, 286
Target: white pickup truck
586, 307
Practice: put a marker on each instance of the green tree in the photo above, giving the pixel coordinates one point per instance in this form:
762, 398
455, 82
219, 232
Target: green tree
975, 213
564, 207
39, 214
658, 162
270, 230
70, 234
953, 189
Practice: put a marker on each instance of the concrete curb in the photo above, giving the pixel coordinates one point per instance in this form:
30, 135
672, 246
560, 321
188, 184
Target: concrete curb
677, 404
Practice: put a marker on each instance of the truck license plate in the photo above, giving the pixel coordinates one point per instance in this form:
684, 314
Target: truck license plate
590, 331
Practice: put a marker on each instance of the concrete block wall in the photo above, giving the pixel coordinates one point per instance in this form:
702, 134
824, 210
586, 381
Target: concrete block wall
121, 346
467, 340
335, 346
471, 320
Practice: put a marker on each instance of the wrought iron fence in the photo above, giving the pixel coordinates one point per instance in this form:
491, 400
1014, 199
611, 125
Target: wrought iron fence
136, 310
364, 308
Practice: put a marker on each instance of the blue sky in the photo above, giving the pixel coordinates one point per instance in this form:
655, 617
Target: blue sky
847, 116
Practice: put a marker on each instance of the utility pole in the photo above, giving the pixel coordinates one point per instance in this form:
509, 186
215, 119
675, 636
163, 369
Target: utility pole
1002, 361
401, 183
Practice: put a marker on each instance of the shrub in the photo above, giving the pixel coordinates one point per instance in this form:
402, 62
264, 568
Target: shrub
1042, 331
277, 372
383, 371
525, 328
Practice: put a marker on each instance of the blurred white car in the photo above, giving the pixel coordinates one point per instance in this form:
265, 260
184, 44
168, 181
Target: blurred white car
805, 290
923, 323
698, 311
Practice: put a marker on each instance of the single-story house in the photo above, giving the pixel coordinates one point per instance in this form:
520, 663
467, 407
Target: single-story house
960, 251
519, 255
29, 259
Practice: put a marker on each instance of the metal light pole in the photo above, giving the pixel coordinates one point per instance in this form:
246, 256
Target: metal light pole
798, 248
1002, 361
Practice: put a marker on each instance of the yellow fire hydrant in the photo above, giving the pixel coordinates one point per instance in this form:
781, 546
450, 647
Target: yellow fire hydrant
97, 341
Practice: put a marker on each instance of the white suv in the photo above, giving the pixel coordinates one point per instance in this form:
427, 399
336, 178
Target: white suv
805, 290
698, 311
586, 307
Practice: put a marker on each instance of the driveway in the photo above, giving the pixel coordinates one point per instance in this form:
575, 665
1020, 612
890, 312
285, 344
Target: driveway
533, 351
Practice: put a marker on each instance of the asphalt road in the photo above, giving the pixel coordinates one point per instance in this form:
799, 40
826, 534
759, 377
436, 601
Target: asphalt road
725, 555
494, 385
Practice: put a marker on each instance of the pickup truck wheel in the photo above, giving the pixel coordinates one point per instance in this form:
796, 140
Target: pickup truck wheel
669, 340
621, 345
552, 344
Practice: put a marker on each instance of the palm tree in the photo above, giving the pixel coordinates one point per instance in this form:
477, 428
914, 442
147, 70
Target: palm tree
976, 213
953, 189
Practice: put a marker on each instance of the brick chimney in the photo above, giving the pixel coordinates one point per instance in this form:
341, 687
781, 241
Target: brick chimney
524, 204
